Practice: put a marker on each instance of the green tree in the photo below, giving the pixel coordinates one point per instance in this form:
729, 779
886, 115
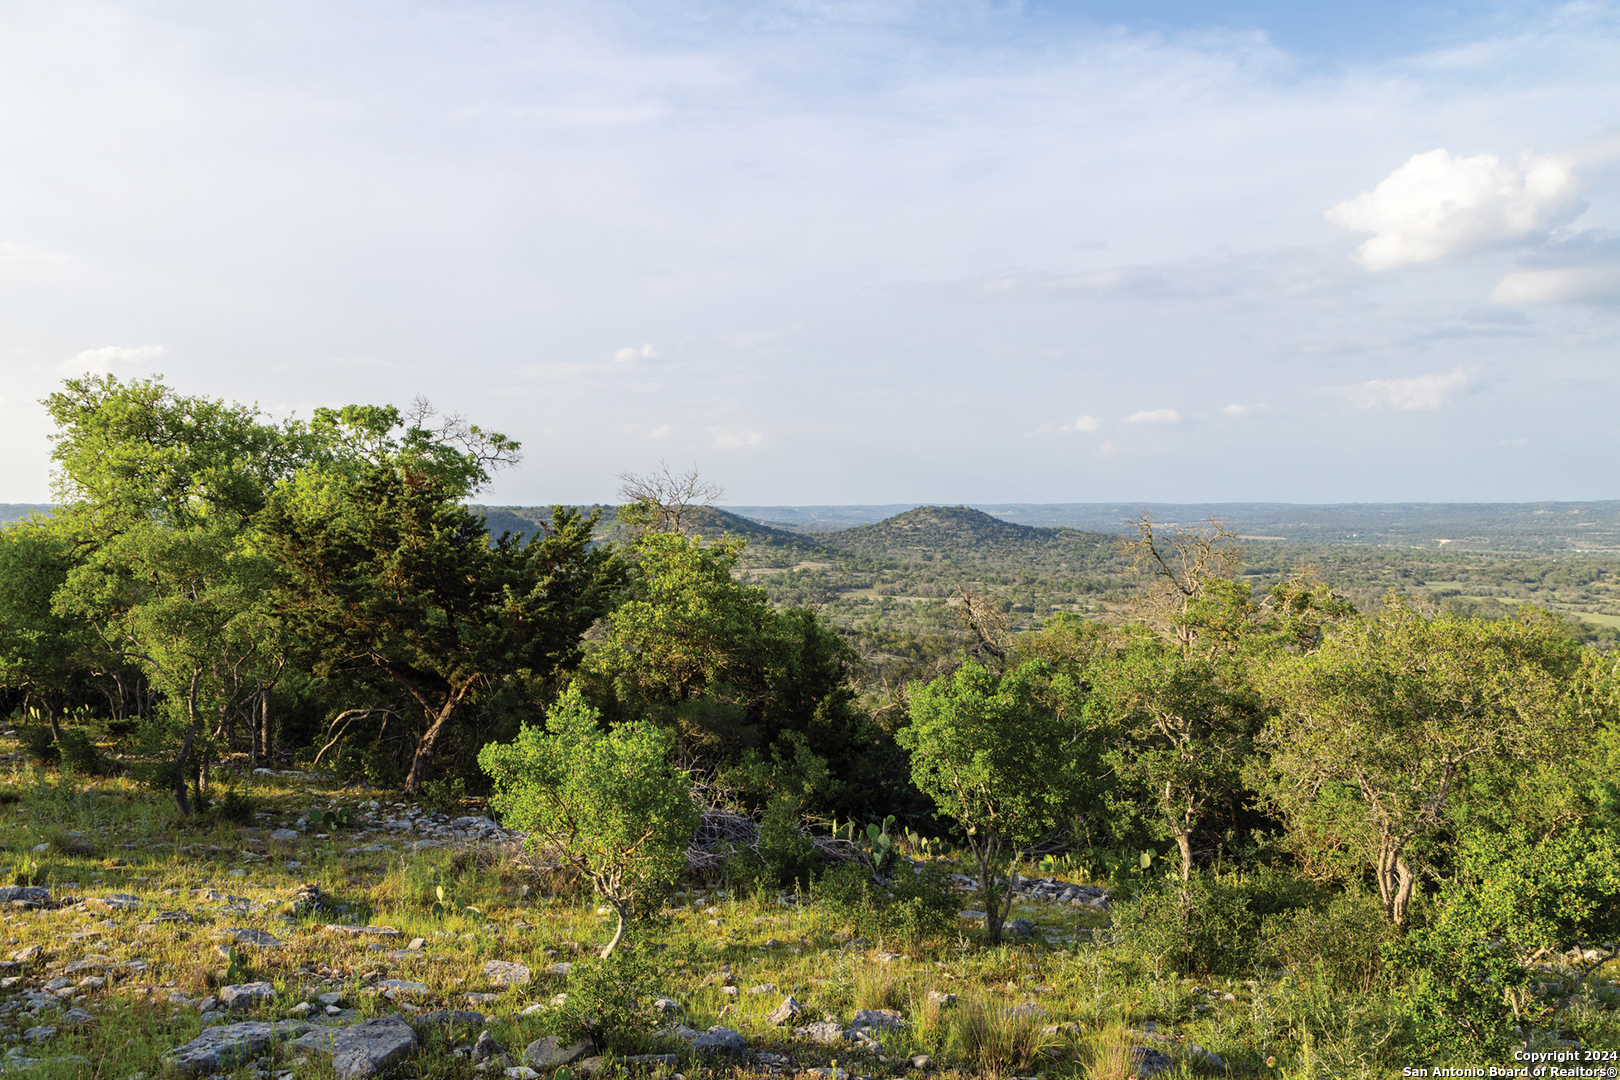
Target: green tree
994, 758
382, 569
158, 492
1402, 709
44, 654
608, 803
1176, 727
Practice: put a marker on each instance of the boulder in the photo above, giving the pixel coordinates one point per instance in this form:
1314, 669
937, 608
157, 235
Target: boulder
822, 1031
393, 989
485, 1047
786, 1011
720, 1040
221, 1048
247, 995
548, 1053
1146, 1061
505, 973
1020, 928
371, 1046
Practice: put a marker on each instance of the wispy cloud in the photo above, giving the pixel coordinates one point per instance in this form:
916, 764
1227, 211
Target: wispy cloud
1568, 285
1155, 416
1084, 423
109, 358
735, 438
1430, 391
630, 352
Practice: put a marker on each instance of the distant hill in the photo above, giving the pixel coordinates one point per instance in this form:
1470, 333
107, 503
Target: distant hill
963, 535
10, 512
767, 546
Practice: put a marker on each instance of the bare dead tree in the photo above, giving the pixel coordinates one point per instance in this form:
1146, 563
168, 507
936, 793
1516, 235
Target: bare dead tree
662, 501
980, 617
1181, 563
490, 449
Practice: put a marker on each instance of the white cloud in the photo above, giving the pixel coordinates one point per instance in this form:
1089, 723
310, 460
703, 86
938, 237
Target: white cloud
12, 252
1236, 412
1154, 416
1436, 205
1419, 392
101, 361
629, 353
662, 431
735, 438
1570, 285
1084, 423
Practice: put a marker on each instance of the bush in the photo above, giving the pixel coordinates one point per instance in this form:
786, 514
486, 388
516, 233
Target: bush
789, 856
82, 756
39, 744
444, 796
1203, 926
1345, 938
236, 808
918, 903
610, 1000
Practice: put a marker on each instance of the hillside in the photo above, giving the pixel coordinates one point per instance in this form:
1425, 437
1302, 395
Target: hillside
959, 534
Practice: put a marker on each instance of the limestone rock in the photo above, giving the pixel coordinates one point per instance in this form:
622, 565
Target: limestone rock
247, 995
1146, 1061
485, 1047
720, 1040
223, 1047
548, 1053
369, 1047
505, 973
284, 834
463, 1018
786, 1011
1020, 928
393, 989
877, 1018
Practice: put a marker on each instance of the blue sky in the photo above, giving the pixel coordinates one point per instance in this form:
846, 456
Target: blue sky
844, 252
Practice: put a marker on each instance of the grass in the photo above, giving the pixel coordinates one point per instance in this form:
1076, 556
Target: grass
1067, 1004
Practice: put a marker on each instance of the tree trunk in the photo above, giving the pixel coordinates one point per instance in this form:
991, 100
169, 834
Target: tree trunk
997, 902
422, 762
1184, 843
1405, 879
185, 749
621, 909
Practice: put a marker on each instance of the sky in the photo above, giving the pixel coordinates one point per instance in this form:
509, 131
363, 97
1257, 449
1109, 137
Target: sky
843, 251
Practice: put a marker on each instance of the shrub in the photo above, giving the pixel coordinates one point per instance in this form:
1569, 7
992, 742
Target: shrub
39, 744
789, 856
444, 796
918, 903
81, 756
1345, 938
236, 808
1201, 926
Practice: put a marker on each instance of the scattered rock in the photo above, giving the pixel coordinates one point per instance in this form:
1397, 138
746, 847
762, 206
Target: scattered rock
521, 1072
548, 1053
940, 998
393, 989
32, 894
559, 969
1146, 1061
763, 988
884, 1019
486, 1048
921, 1062
225, 1046
247, 995
665, 1006
1027, 1011
1203, 1058
447, 1018
822, 1031
28, 955
362, 931
504, 973
115, 902
786, 1011
261, 939
720, 1040
284, 834
1020, 928
371, 1046
39, 1034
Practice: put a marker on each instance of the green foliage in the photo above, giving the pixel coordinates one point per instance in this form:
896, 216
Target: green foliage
1343, 940
28, 871
445, 796
336, 817
917, 903
237, 807
81, 756
610, 998
1202, 926
609, 803
788, 855
1399, 710
994, 758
